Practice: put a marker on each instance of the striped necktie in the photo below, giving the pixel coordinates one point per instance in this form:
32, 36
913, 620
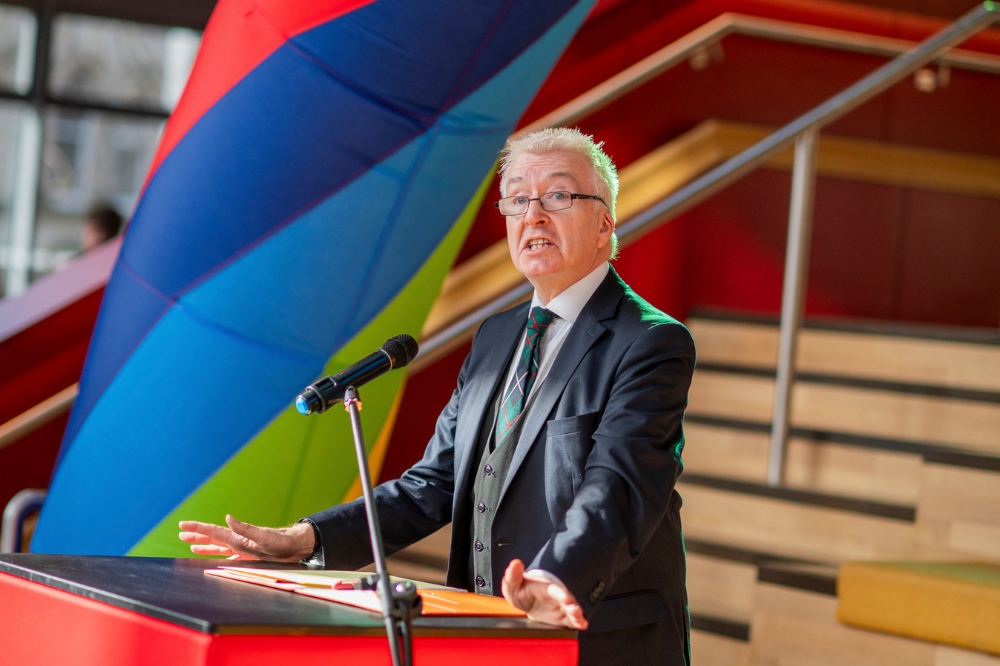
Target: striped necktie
527, 369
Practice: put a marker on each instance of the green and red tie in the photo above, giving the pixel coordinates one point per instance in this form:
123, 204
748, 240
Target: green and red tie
539, 319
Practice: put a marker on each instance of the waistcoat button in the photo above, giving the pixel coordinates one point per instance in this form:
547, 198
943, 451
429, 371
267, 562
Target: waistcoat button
479, 546
481, 507
480, 581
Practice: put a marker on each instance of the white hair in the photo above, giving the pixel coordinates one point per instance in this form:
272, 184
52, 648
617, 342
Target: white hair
564, 139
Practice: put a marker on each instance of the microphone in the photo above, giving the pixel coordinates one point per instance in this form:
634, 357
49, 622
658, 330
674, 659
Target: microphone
318, 397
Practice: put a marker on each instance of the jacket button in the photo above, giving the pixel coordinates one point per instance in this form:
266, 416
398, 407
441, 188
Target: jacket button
480, 581
479, 546
595, 594
488, 469
481, 507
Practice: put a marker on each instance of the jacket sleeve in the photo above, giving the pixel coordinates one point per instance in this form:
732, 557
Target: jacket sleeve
630, 473
409, 508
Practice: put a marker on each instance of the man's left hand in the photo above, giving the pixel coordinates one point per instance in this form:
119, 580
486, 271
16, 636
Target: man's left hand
543, 600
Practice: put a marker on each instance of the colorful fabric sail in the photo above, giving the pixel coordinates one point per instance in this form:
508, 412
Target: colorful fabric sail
309, 195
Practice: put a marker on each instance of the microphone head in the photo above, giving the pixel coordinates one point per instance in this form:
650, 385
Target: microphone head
309, 402
400, 349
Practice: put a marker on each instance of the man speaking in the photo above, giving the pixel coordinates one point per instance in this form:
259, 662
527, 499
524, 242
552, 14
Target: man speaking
555, 459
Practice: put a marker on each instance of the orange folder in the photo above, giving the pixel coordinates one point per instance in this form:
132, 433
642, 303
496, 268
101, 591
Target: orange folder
341, 587
435, 602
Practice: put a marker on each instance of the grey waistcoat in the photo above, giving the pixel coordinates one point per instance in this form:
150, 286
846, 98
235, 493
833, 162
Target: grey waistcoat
490, 476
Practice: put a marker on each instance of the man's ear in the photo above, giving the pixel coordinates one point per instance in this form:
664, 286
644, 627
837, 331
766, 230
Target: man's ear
607, 227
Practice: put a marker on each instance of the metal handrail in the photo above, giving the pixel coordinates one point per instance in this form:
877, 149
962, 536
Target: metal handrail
18, 508
37, 416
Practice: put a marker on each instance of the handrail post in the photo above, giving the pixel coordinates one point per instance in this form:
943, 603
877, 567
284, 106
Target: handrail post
793, 295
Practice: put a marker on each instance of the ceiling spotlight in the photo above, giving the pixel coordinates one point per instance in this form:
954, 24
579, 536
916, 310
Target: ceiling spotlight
706, 55
927, 80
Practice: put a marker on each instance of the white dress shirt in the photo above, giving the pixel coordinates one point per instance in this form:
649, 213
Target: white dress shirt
568, 304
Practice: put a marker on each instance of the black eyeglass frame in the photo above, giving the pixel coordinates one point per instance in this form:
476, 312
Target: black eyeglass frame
572, 195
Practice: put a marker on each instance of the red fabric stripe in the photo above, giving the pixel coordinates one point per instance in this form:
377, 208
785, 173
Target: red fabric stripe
239, 36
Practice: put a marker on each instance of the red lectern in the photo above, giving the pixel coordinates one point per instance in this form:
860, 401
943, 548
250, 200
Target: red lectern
130, 611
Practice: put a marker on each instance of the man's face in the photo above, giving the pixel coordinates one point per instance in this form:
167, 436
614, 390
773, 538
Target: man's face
554, 249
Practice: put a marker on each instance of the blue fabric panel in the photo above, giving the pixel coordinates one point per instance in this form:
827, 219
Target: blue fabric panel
144, 444
413, 55
313, 117
128, 305
234, 350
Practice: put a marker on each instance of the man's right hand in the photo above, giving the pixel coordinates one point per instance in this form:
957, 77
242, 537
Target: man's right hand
244, 541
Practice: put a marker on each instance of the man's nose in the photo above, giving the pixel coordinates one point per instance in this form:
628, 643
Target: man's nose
535, 214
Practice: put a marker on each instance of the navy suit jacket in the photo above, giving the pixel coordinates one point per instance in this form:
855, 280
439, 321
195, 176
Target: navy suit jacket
590, 492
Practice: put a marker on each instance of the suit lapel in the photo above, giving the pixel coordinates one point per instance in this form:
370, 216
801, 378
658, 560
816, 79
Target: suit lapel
494, 367
587, 329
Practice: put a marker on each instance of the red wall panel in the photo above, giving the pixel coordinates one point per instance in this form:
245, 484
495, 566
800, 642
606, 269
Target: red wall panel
28, 462
854, 263
950, 259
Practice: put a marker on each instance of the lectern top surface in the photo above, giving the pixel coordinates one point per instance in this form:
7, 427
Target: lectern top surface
178, 591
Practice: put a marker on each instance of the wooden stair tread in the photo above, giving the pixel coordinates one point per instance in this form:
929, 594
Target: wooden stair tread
928, 451
720, 588
791, 529
948, 422
893, 358
803, 497
826, 467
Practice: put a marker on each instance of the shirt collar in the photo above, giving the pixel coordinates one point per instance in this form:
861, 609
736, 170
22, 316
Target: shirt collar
569, 303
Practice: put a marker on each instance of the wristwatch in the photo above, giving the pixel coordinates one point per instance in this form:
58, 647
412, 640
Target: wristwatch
318, 548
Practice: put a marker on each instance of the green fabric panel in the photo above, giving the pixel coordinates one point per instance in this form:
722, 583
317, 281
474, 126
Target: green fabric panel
299, 465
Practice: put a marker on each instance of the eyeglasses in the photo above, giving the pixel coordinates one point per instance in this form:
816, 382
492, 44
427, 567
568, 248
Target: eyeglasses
549, 201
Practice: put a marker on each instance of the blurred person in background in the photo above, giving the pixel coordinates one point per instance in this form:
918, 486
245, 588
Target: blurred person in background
101, 224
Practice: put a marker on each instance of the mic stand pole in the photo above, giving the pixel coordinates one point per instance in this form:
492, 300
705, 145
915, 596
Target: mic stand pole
399, 602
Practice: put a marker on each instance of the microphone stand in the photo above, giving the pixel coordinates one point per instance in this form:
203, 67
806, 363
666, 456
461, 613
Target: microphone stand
400, 602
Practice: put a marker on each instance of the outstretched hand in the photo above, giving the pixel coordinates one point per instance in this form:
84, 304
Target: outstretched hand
244, 541
542, 599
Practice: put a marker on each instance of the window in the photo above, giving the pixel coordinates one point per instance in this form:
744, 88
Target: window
89, 139
11, 114
119, 63
17, 48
